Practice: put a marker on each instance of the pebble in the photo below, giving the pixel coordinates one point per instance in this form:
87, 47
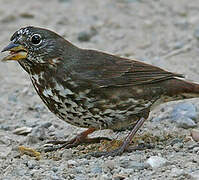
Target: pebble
120, 177
12, 98
66, 154
129, 164
110, 164
185, 122
176, 172
184, 114
184, 109
72, 163
55, 177
5, 127
196, 149
178, 146
196, 33
39, 132
195, 135
54, 169
194, 175
176, 141
4, 151
80, 177
22, 130
178, 45
96, 169
46, 125
26, 15
85, 36
5, 140
138, 165
104, 177
32, 139
31, 164
156, 162
124, 162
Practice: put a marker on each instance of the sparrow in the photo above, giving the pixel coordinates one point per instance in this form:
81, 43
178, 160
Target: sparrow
92, 89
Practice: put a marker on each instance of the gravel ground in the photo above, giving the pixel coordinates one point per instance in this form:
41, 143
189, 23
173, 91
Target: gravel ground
163, 33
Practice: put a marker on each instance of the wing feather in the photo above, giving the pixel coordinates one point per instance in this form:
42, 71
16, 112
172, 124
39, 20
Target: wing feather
108, 70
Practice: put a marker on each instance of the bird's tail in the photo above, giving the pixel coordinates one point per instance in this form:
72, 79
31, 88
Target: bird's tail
183, 88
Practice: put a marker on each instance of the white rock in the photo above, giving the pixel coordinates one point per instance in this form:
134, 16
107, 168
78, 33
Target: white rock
22, 130
176, 172
72, 163
194, 175
156, 162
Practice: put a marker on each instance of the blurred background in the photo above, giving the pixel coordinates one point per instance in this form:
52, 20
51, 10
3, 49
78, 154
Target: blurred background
159, 32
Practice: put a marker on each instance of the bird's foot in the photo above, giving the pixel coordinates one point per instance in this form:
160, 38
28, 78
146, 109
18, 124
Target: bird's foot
81, 138
124, 146
74, 143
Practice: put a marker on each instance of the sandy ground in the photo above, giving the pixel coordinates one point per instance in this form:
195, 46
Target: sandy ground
162, 33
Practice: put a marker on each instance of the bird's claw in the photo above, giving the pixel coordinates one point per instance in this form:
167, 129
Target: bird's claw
74, 143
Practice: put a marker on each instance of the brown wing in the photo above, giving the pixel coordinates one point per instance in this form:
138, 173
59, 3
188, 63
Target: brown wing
108, 70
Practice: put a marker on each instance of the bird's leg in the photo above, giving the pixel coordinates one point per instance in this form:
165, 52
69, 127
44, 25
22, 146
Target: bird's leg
81, 138
125, 144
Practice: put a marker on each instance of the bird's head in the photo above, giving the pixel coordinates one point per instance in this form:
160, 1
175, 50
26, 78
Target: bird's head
35, 44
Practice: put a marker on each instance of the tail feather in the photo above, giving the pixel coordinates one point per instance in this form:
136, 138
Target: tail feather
184, 88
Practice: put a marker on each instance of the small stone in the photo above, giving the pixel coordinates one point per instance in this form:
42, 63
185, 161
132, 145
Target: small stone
80, 177
183, 24
110, 164
184, 115
4, 151
185, 122
85, 36
55, 177
96, 169
66, 154
72, 163
32, 139
22, 130
195, 135
46, 125
196, 33
5, 127
156, 162
124, 162
178, 45
120, 177
138, 165
178, 146
185, 110
5, 140
176, 141
12, 98
31, 164
194, 175
27, 15
39, 132
175, 172
104, 177
196, 149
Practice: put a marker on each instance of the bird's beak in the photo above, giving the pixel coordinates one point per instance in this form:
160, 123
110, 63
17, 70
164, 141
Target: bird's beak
17, 52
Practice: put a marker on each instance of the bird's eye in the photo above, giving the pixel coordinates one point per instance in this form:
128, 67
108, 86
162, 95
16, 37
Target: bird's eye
36, 39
